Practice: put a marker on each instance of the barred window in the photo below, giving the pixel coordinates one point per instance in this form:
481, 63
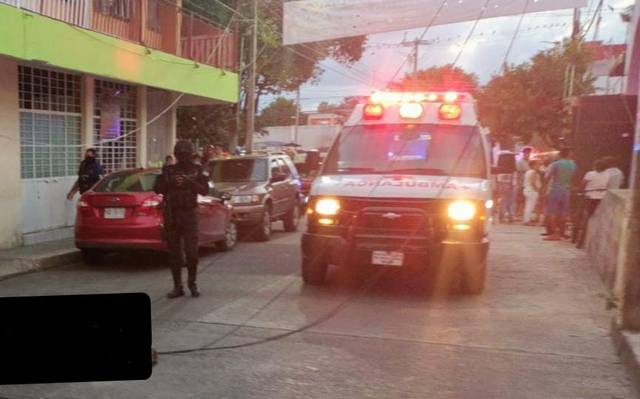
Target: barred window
120, 9
118, 153
50, 123
153, 15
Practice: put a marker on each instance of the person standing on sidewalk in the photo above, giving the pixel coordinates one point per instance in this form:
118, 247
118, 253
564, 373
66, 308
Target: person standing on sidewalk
595, 183
89, 173
531, 191
522, 167
560, 176
180, 185
616, 177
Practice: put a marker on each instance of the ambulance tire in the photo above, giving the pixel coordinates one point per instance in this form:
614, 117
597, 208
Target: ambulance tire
314, 271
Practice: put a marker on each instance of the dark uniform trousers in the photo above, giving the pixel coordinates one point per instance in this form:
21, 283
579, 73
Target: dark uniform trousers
182, 237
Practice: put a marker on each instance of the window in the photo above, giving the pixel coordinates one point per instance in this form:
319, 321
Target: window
119, 153
50, 123
413, 149
153, 15
284, 168
239, 170
121, 9
275, 167
127, 182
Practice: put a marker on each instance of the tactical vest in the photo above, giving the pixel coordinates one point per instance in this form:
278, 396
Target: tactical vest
181, 197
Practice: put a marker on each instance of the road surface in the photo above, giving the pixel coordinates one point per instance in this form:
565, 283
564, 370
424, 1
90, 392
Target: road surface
539, 331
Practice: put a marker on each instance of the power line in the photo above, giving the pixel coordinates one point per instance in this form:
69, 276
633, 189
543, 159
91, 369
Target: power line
473, 28
515, 35
424, 33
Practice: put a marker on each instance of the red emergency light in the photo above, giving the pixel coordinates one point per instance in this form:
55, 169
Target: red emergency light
373, 111
450, 111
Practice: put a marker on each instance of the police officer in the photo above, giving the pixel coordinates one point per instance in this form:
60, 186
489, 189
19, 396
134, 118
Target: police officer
89, 173
180, 184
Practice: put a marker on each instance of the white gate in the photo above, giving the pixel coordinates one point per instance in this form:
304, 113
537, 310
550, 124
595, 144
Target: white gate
50, 147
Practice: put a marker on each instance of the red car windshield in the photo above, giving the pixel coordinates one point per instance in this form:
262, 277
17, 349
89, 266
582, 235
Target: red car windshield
128, 182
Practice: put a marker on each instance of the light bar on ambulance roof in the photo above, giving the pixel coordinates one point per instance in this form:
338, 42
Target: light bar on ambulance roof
394, 97
411, 110
373, 111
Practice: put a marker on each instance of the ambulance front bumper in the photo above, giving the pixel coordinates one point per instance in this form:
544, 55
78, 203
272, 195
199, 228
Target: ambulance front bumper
416, 252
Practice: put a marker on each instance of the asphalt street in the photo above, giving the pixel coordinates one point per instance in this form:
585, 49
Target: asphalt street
540, 330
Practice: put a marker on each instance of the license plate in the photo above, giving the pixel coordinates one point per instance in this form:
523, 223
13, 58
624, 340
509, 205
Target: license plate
385, 258
114, 213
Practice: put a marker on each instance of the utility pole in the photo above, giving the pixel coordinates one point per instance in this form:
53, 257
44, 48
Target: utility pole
295, 132
251, 84
575, 34
233, 140
416, 43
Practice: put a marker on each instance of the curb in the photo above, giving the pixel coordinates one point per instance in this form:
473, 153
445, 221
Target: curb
628, 352
17, 266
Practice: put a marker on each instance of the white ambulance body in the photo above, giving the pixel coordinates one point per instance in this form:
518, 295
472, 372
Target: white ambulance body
406, 183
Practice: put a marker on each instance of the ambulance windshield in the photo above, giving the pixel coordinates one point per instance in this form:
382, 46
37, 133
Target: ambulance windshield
408, 149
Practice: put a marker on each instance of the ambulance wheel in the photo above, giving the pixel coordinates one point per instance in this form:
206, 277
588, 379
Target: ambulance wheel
314, 271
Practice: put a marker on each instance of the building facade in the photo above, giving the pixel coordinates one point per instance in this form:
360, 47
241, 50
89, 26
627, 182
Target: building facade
104, 74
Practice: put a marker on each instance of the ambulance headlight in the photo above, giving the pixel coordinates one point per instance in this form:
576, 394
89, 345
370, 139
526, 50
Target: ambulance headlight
462, 211
327, 207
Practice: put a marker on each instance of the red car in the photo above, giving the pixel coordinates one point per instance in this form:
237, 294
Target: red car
122, 212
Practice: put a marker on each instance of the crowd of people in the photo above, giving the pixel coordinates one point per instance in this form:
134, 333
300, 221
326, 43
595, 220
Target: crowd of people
542, 189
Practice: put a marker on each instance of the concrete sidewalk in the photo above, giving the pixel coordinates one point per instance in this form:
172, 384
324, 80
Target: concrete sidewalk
627, 345
36, 257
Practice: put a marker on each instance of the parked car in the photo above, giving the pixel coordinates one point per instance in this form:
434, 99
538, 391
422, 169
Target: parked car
122, 212
264, 188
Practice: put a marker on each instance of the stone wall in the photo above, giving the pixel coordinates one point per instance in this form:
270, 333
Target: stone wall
605, 241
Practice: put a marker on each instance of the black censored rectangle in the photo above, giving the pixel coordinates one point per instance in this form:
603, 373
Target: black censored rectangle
75, 338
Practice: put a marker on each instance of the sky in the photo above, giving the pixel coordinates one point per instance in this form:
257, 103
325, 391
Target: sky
483, 55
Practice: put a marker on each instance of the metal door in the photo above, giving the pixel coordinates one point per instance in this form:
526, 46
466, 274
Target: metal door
45, 206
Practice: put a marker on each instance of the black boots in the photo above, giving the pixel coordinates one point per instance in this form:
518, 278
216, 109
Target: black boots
191, 280
177, 291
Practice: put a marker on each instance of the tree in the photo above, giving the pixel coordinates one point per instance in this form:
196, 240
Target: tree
207, 124
442, 78
343, 109
286, 68
281, 112
280, 68
529, 100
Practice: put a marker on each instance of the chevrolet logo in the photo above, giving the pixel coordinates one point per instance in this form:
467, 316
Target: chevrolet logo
391, 216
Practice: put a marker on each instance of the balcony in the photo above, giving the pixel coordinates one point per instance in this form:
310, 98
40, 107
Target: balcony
157, 24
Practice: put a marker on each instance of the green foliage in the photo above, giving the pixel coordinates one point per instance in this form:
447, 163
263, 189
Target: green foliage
280, 69
208, 124
343, 109
446, 77
529, 100
281, 112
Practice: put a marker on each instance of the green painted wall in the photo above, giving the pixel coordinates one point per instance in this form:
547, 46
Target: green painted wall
31, 37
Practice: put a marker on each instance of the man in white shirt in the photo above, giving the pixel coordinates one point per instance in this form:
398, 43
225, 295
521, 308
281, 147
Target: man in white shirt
596, 183
616, 176
532, 185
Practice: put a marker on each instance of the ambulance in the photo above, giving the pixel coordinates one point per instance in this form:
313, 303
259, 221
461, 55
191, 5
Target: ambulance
406, 184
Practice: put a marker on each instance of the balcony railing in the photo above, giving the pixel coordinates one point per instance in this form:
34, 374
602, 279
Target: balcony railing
157, 24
